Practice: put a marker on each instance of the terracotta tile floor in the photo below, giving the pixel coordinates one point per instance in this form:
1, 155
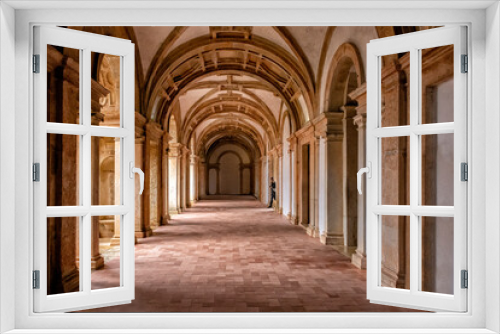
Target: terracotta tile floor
231, 254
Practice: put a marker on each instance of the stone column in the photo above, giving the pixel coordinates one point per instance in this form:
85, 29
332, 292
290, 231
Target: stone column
264, 180
193, 197
293, 179
187, 178
279, 188
350, 169
173, 182
153, 133
115, 240
164, 179
97, 261
329, 126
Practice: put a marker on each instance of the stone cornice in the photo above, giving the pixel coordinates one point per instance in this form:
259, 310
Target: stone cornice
305, 131
98, 93
329, 124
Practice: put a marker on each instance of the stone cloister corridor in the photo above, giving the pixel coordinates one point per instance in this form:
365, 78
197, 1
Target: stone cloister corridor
221, 114
232, 254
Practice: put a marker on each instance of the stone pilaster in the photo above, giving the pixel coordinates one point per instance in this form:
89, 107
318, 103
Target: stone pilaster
173, 179
97, 261
165, 217
329, 127
152, 173
293, 179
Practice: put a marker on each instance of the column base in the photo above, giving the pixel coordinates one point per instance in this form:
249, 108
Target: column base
71, 281
165, 219
97, 262
359, 260
143, 234
331, 239
173, 212
304, 225
391, 279
115, 241
312, 231
294, 220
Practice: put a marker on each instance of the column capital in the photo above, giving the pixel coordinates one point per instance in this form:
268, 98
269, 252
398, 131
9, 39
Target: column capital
153, 130
99, 94
360, 120
96, 118
174, 150
140, 120
349, 111
329, 123
293, 142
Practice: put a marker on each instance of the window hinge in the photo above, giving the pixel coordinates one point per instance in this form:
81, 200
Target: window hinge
36, 279
464, 279
36, 63
465, 64
464, 172
36, 172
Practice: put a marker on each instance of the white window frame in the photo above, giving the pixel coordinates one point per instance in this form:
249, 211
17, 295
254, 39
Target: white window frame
86, 43
375, 132
484, 103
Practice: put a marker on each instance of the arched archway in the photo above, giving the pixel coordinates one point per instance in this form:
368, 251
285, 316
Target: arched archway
230, 163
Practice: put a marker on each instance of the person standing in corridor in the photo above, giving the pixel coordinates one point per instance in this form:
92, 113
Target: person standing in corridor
273, 192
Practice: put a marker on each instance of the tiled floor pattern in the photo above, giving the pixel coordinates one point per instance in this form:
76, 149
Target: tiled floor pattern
231, 254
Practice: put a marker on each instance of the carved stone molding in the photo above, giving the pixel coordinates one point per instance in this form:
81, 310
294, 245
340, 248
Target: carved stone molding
140, 120
154, 130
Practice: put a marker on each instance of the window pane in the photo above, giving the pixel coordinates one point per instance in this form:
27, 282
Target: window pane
395, 252
437, 169
437, 84
437, 254
395, 162
395, 91
106, 248
105, 89
105, 170
63, 85
63, 273
63, 172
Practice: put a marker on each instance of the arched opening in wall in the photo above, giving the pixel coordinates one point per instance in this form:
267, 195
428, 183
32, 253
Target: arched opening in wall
345, 76
230, 164
212, 181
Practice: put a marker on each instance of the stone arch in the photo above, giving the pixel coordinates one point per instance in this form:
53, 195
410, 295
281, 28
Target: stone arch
230, 178
345, 74
270, 56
